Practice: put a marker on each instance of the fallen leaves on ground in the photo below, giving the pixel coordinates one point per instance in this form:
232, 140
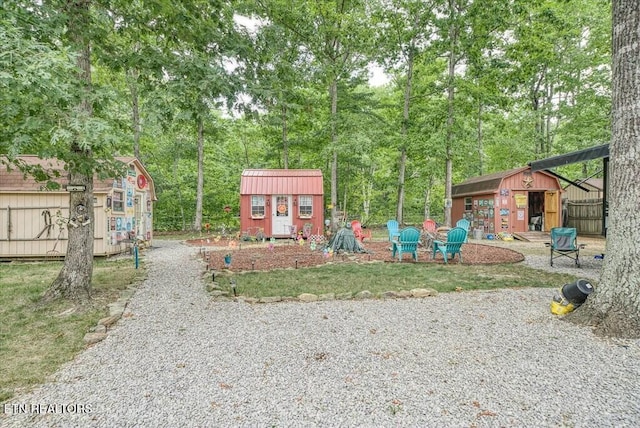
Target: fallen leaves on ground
286, 254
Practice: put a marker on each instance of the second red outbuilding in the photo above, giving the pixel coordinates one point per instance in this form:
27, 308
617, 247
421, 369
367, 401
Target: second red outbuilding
280, 202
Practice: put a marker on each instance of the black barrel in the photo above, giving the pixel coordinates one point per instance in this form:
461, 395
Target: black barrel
577, 291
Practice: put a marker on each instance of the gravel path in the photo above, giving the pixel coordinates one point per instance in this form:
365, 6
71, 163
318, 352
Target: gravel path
536, 255
483, 359
589, 267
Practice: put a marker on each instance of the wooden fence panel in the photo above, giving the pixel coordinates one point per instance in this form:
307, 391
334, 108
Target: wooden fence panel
586, 216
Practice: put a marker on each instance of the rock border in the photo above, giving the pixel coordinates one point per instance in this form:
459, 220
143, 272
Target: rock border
218, 294
116, 311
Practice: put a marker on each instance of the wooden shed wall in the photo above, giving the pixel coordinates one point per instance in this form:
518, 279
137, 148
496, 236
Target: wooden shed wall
574, 193
23, 203
21, 220
19, 238
502, 209
482, 215
250, 225
540, 182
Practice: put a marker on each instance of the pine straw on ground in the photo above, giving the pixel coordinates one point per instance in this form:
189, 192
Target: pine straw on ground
289, 254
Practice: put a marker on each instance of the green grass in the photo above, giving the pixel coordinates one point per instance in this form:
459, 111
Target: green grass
35, 338
380, 277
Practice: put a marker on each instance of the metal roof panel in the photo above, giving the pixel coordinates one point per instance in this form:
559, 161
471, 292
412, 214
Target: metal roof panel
15, 180
483, 184
281, 182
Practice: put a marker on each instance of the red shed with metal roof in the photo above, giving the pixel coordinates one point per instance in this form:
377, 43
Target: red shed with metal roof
513, 201
279, 201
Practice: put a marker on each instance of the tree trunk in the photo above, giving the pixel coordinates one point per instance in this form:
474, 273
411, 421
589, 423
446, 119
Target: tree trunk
74, 280
479, 138
427, 198
402, 164
135, 111
176, 180
548, 134
345, 207
614, 307
197, 223
245, 147
453, 37
367, 191
333, 94
285, 144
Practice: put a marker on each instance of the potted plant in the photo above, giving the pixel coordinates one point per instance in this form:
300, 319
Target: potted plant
227, 260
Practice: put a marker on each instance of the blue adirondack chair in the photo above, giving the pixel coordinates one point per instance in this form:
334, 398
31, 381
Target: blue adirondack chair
393, 227
455, 238
465, 224
406, 242
564, 244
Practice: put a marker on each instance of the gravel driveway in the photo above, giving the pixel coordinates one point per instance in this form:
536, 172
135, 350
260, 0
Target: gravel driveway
483, 359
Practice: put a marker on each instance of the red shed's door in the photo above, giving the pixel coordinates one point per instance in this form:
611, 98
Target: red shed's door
281, 215
551, 214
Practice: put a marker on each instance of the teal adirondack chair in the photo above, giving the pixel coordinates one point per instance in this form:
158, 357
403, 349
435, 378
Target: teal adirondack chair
564, 244
406, 242
455, 238
465, 224
393, 227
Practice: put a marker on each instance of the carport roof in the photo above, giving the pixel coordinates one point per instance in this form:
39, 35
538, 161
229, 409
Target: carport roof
597, 152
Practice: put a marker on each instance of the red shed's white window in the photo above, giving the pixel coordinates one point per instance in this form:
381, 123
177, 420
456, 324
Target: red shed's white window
306, 206
257, 206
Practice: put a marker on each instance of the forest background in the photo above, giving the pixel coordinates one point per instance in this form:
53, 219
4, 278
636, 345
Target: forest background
200, 90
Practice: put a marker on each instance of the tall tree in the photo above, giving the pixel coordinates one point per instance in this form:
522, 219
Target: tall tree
67, 126
201, 41
406, 29
487, 22
132, 47
276, 72
334, 36
341, 47
614, 306
557, 73
74, 280
453, 58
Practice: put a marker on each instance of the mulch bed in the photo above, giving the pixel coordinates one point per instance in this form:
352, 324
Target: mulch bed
287, 254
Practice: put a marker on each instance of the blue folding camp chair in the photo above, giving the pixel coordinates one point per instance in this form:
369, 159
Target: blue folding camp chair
564, 244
